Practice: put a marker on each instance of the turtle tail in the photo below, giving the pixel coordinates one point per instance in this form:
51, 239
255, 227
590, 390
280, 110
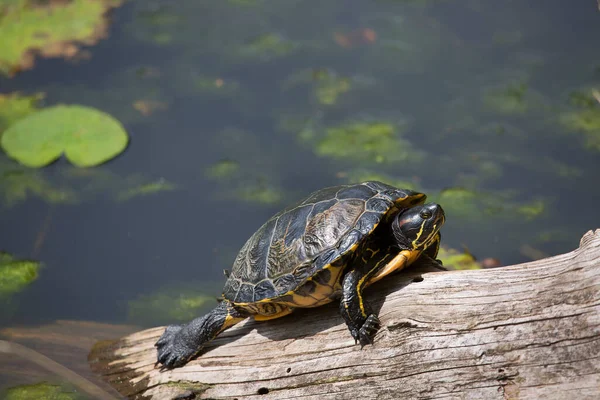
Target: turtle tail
180, 343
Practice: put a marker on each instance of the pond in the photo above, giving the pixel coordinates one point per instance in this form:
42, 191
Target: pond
235, 109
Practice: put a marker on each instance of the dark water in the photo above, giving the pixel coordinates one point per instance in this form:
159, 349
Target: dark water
429, 68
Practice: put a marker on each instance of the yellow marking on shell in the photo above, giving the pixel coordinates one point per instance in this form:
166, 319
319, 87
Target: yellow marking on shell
282, 313
322, 295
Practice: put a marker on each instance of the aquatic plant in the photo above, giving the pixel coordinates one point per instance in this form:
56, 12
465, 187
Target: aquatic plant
15, 274
370, 142
48, 28
172, 304
86, 136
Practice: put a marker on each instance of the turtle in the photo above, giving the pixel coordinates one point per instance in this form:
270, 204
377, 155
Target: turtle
332, 244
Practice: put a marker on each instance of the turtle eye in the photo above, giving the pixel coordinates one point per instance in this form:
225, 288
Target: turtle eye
425, 214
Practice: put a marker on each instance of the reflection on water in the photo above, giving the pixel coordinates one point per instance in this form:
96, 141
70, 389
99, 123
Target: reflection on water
245, 106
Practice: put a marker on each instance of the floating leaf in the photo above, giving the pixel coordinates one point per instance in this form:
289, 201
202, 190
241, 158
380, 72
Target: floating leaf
15, 275
87, 136
49, 27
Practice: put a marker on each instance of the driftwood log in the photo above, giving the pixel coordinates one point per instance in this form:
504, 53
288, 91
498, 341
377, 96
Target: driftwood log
528, 331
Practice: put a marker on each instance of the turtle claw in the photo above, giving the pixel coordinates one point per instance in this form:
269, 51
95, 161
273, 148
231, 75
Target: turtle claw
355, 335
367, 332
172, 350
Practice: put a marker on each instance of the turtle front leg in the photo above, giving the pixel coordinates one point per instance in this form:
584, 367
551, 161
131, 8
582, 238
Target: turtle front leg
180, 343
362, 322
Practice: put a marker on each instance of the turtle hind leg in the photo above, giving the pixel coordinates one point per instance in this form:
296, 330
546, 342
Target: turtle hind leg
179, 343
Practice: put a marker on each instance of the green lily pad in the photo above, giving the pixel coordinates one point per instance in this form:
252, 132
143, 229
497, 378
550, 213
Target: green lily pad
49, 28
15, 275
87, 136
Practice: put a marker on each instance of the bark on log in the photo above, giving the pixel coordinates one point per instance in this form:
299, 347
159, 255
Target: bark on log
528, 331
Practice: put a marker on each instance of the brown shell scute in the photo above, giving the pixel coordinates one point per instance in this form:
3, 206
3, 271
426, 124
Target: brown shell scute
325, 229
298, 242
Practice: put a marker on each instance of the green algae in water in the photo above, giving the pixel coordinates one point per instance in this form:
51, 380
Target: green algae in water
585, 121
215, 85
86, 136
532, 209
260, 192
145, 189
48, 27
43, 390
476, 206
15, 275
328, 86
179, 304
15, 106
71, 185
17, 185
508, 100
329, 92
267, 47
223, 169
363, 175
249, 174
374, 142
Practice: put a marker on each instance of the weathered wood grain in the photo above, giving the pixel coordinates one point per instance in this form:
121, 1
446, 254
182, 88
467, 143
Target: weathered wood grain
527, 331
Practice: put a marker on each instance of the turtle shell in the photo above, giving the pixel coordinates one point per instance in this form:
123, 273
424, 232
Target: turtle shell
303, 239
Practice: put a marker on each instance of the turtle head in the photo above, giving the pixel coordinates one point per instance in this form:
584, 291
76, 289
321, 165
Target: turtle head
417, 227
